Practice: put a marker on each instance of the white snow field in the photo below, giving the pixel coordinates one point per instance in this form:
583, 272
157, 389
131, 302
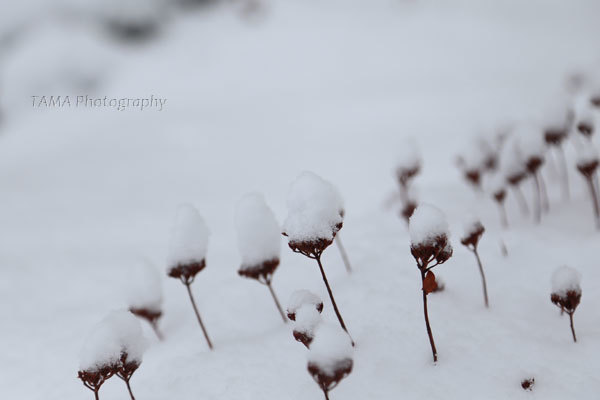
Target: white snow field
334, 87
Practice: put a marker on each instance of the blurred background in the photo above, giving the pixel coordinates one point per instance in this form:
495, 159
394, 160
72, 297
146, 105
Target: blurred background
256, 92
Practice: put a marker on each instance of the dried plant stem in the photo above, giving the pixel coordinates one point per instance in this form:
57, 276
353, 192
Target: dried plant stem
521, 200
503, 248
159, 335
277, 302
335, 307
544, 193
129, 389
485, 294
538, 199
326, 394
594, 200
503, 217
187, 285
96, 395
572, 328
564, 172
343, 253
431, 342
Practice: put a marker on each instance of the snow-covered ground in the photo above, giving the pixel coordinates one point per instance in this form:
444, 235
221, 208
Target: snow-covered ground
335, 87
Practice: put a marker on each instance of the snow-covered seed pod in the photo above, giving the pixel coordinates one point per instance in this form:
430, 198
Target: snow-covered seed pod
330, 358
473, 231
408, 209
145, 295
408, 166
430, 246
259, 242
527, 384
114, 347
497, 189
299, 299
315, 215
187, 253
306, 320
566, 292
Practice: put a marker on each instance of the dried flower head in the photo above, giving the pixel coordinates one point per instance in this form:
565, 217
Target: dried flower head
429, 236
300, 298
307, 319
473, 232
527, 384
566, 292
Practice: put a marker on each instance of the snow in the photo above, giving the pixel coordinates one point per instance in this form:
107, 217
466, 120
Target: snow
471, 225
307, 319
565, 279
409, 156
530, 141
330, 346
587, 153
118, 332
258, 233
329, 86
144, 287
314, 207
426, 224
300, 298
189, 240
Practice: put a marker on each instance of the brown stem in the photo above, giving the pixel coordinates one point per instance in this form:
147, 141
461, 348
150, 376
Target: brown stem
335, 307
187, 285
276, 302
572, 328
96, 395
340, 246
521, 200
538, 199
544, 193
503, 217
129, 389
565, 172
326, 394
485, 294
595, 201
431, 342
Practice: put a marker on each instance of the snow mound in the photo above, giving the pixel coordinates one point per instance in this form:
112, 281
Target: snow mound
258, 233
145, 288
426, 224
565, 279
586, 153
330, 346
189, 240
314, 209
119, 332
530, 142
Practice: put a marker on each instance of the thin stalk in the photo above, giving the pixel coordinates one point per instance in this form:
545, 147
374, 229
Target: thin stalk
431, 342
129, 389
503, 217
538, 199
544, 194
565, 172
343, 253
572, 328
96, 395
595, 201
326, 394
485, 294
521, 200
156, 330
276, 302
335, 307
198, 316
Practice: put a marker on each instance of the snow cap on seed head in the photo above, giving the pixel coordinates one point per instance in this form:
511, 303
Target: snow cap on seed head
330, 347
300, 298
145, 287
258, 233
530, 141
565, 279
314, 209
189, 240
586, 153
409, 157
426, 224
307, 319
117, 333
